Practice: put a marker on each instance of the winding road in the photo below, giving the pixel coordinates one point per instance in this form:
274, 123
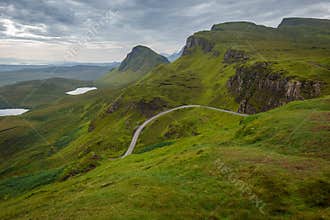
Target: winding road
141, 127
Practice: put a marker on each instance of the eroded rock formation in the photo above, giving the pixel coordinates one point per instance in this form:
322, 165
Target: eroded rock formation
258, 88
194, 41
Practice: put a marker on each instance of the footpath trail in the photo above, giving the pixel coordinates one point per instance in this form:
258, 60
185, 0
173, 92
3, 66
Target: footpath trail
141, 127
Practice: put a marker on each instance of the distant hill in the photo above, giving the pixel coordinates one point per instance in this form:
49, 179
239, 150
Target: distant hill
7, 68
137, 63
33, 93
15, 67
17, 73
141, 59
173, 57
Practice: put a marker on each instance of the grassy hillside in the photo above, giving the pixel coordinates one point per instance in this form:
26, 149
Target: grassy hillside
34, 93
27, 141
215, 172
199, 77
191, 163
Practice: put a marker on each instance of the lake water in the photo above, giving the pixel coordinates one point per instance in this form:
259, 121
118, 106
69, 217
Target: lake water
81, 90
12, 112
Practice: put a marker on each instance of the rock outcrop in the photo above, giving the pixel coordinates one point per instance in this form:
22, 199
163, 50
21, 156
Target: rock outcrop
233, 56
145, 107
258, 88
150, 108
194, 41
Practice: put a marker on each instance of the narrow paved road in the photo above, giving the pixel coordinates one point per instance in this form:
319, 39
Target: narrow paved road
141, 127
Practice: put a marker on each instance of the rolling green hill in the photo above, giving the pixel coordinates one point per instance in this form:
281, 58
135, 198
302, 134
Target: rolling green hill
28, 141
189, 164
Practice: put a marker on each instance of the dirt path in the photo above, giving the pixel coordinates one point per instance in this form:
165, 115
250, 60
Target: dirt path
141, 127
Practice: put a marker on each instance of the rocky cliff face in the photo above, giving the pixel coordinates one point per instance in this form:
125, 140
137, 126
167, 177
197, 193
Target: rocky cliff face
258, 88
194, 41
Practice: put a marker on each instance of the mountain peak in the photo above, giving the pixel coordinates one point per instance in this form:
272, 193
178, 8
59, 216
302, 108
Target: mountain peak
140, 47
142, 59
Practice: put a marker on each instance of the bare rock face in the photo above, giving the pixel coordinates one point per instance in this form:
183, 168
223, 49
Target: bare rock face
234, 56
296, 90
258, 88
194, 41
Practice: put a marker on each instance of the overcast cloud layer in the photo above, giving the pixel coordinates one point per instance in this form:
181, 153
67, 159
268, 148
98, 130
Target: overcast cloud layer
105, 30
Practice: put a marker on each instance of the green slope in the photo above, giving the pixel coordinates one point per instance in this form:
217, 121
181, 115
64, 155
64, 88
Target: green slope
54, 121
199, 77
34, 93
280, 155
215, 173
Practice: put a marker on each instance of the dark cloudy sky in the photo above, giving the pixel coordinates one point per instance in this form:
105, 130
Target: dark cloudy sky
105, 30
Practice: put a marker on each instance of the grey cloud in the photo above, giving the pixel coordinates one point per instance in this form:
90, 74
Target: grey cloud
2, 28
37, 11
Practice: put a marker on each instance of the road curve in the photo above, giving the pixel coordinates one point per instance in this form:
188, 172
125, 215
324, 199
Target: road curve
141, 127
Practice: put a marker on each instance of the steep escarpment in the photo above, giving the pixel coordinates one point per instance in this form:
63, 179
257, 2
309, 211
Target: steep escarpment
297, 48
258, 88
195, 41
